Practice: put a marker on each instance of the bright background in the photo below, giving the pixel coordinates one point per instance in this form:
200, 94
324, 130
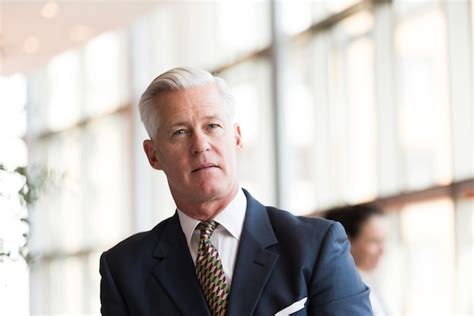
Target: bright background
340, 102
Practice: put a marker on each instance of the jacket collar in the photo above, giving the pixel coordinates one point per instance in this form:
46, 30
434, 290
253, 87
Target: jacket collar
175, 271
256, 259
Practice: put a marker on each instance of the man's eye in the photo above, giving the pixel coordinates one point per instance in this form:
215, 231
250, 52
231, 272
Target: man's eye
213, 125
179, 132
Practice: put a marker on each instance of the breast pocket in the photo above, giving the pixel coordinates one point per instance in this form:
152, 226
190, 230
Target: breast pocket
296, 308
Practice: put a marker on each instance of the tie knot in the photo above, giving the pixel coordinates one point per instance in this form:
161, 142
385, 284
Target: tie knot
207, 228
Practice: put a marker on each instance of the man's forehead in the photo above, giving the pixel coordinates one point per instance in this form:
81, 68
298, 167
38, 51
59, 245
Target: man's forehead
208, 90
187, 117
189, 98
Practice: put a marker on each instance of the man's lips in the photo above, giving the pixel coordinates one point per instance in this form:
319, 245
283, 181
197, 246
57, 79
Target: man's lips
204, 166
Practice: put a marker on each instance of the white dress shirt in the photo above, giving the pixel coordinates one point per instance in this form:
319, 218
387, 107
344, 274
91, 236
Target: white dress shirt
225, 237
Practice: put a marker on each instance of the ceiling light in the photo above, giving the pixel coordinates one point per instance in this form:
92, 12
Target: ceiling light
31, 45
80, 33
50, 9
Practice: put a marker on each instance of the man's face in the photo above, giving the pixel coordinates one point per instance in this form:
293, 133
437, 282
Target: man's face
196, 145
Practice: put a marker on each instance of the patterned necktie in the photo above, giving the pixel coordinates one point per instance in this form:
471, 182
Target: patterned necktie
210, 272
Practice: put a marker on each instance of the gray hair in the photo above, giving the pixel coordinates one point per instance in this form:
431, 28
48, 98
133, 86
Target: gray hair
178, 79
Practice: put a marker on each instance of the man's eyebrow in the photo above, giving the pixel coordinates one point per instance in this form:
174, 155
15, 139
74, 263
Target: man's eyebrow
175, 124
184, 123
213, 116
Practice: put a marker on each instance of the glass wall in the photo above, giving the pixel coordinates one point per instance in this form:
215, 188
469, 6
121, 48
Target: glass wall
251, 86
423, 248
79, 128
423, 96
331, 116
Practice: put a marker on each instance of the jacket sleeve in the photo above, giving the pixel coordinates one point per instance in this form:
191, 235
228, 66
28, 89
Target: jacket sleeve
111, 300
336, 288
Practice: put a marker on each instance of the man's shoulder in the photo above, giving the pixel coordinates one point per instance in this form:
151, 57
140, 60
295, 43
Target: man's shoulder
288, 220
286, 225
301, 227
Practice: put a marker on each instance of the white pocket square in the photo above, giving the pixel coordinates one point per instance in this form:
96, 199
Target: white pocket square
293, 308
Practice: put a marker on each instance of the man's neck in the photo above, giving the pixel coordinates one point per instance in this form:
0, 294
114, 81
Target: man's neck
206, 210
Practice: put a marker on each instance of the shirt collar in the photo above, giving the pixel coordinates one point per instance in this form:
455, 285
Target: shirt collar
231, 218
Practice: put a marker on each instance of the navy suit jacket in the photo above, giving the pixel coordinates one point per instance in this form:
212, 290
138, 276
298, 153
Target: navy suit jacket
281, 259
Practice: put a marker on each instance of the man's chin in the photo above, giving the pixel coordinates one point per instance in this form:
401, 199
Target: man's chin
213, 192
210, 193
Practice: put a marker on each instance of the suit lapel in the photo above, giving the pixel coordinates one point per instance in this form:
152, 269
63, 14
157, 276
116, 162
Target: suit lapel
175, 271
255, 260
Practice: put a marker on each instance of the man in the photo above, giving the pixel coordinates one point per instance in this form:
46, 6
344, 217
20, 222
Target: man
222, 253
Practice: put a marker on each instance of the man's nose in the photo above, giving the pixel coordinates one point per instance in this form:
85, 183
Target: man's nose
200, 143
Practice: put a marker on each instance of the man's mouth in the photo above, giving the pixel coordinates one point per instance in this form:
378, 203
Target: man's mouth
204, 167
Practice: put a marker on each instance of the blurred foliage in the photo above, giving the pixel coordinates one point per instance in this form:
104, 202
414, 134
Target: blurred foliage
34, 185
36, 180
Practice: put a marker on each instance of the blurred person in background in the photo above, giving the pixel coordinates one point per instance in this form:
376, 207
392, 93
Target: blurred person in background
365, 225
222, 253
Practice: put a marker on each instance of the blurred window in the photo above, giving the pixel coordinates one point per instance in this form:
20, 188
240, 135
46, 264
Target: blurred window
430, 238
464, 292
106, 79
64, 98
13, 100
427, 230
330, 122
299, 15
250, 84
83, 136
423, 101
207, 34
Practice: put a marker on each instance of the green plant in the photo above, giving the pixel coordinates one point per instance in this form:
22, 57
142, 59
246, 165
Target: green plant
19, 190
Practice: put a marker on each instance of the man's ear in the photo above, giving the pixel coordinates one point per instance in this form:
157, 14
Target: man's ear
150, 152
238, 136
